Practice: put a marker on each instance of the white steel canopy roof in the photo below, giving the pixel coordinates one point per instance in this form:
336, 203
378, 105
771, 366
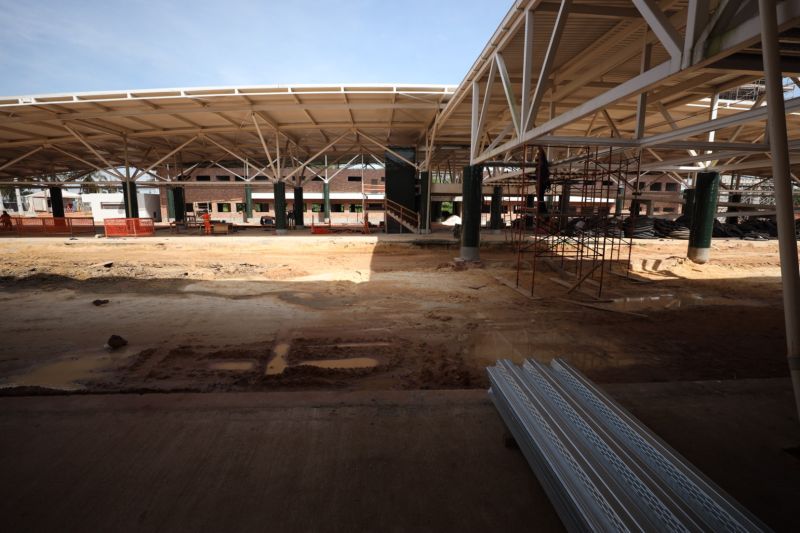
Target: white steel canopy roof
632, 74
79, 130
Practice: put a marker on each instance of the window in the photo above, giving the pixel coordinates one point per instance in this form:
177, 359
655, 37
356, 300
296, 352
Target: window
378, 207
641, 185
260, 178
203, 206
240, 207
655, 186
223, 178
223, 207
317, 178
671, 187
237, 178
111, 205
337, 208
356, 208
316, 208
353, 178
669, 209
383, 178
261, 207
189, 208
202, 178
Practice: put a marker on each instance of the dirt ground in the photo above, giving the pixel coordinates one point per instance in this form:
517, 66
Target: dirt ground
343, 461
255, 312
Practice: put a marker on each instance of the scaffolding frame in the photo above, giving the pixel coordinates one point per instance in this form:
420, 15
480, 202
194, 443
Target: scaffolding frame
580, 235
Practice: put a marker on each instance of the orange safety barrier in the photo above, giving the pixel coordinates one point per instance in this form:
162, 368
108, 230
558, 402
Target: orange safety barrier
129, 227
52, 226
321, 230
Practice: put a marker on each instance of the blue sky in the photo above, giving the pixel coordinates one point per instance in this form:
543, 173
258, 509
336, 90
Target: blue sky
51, 46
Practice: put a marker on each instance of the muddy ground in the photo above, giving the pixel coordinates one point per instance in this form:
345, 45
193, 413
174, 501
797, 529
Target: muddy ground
241, 313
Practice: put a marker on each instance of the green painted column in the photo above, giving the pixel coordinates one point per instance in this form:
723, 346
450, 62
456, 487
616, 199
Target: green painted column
688, 205
178, 203
734, 199
618, 201
436, 211
280, 207
248, 202
705, 207
326, 201
472, 198
496, 210
425, 202
57, 202
299, 223
130, 199
563, 204
530, 203
170, 203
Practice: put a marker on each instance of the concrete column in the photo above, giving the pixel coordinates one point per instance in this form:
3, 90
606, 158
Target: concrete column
688, 206
20, 207
280, 207
706, 194
471, 212
425, 202
563, 204
57, 202
248, 202
734, 199
178, 203
436, 211
170, 203
129, 196
496, 210
618, 201
530, 202
326, 201
299, 223
781, 178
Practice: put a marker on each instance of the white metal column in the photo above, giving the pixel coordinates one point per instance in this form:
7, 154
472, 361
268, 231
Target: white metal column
790, 272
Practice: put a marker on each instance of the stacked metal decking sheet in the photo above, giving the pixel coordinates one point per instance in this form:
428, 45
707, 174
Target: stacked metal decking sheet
601, 468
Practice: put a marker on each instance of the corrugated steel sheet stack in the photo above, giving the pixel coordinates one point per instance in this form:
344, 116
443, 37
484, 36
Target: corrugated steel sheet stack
601, 468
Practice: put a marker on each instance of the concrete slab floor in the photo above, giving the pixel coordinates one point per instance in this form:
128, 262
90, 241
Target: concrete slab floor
350, 461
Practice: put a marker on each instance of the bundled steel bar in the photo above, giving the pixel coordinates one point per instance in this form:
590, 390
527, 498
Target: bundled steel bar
600, 467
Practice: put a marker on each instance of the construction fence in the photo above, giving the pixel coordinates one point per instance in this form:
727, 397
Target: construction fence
26, 226
129, 227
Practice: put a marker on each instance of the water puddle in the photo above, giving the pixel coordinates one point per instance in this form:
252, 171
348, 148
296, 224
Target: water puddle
64, 374
646, 303
233, 366
278, 362
356, 345
355, 362
673, 301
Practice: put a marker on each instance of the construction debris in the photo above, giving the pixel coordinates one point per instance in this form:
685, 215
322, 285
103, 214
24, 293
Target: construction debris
115, 342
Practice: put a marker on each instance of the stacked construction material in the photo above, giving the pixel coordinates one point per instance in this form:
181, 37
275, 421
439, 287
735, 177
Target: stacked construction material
601, 468
594, 225
673, 229
640, 227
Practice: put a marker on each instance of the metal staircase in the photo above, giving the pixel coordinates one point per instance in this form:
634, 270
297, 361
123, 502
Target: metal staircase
407, 218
